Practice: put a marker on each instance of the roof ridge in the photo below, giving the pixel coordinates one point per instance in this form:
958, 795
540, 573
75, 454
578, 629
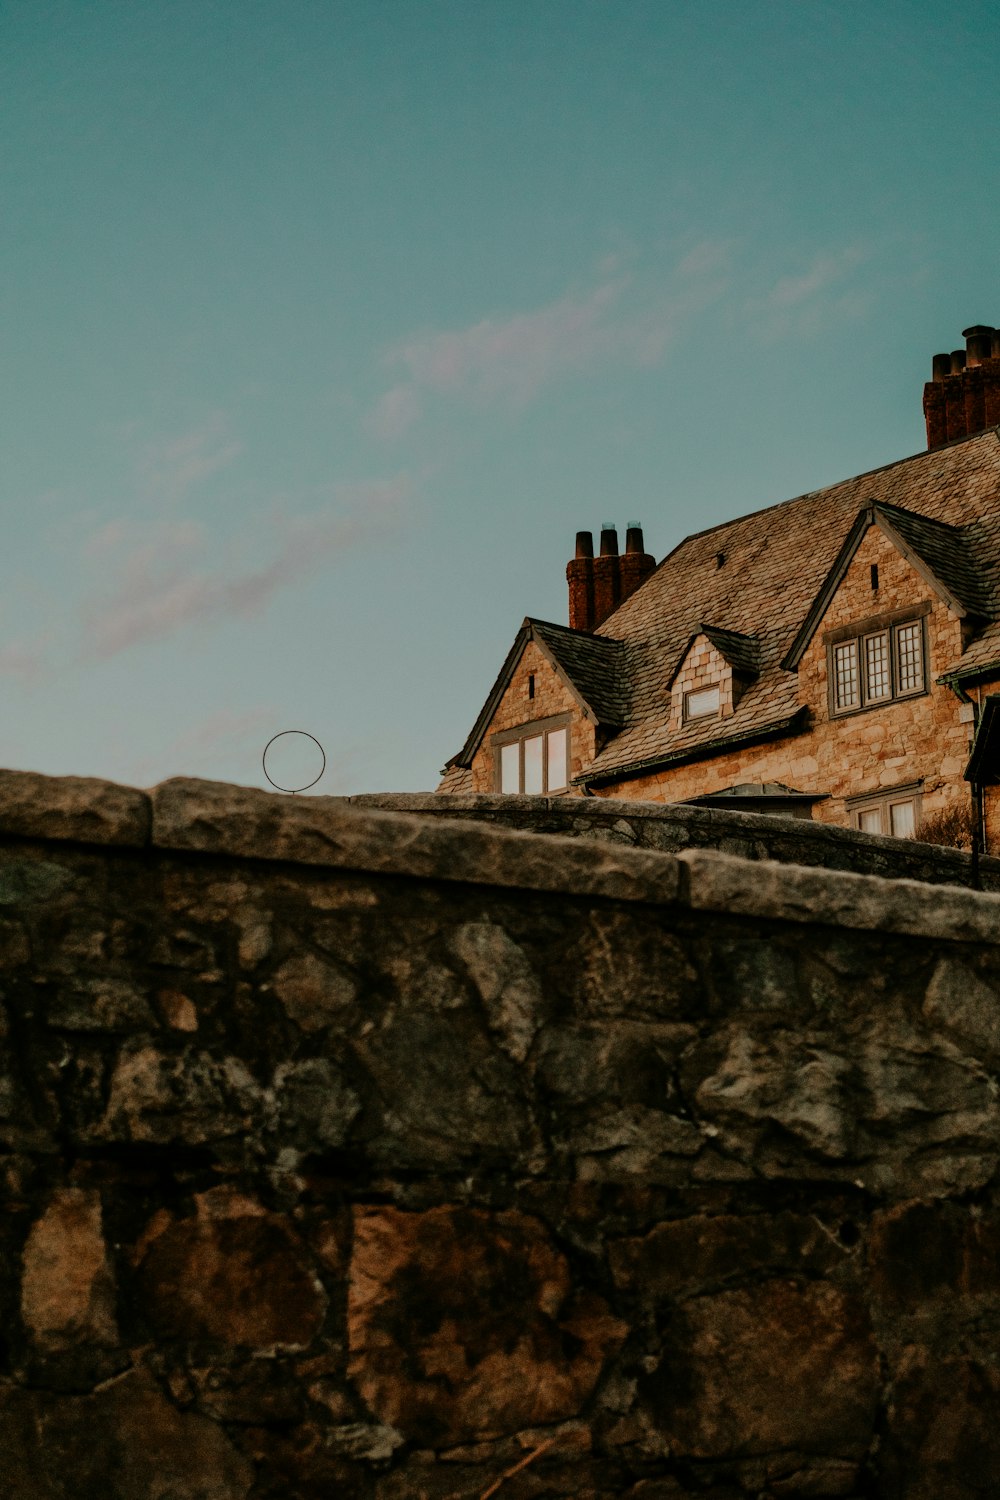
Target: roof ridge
852, 479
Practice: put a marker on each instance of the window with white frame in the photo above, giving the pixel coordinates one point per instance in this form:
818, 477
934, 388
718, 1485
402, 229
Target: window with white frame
876, 666
896, 813
534, 758
702, 703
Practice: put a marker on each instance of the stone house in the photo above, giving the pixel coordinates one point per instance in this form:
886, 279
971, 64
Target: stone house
827, 656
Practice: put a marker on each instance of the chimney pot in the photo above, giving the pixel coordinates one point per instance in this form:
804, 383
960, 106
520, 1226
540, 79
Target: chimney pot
957, 361
978, 344
584, 544
633, 538
609, 539
941, 366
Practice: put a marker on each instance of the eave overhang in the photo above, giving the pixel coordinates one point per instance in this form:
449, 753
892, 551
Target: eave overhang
972, 674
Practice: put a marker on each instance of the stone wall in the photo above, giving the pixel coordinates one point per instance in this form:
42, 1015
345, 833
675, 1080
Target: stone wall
674, 826
350, 1152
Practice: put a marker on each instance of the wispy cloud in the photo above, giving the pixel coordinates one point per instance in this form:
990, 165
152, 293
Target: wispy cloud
394, 412
231, 742
169, 469
619, 321
805, 302
26, 661
210, 747
160, 581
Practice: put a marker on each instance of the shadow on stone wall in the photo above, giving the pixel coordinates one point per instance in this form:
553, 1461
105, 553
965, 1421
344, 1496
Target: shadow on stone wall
352, 1152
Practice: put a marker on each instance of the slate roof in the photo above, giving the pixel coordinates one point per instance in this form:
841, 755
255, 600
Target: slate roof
950, 553
740, 651
593, 665
774, 564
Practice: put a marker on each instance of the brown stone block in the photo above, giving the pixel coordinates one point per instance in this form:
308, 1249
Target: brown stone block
314, 993
920, 1252
235, 1275
463, 1325
124, 1442
254, 1390
15, 949
80, 808
779, 1366
943, 1440
686, 1256
67, 1288
189, 1097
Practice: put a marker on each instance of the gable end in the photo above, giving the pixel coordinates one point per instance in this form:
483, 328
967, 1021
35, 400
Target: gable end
893, 522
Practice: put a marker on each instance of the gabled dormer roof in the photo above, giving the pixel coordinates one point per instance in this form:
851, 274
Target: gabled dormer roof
590, 667
739, 650
938, 552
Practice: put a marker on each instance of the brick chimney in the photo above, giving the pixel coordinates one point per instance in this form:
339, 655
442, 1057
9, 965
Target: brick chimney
607, 575
580, 577
963, 395
597, 585
636, 564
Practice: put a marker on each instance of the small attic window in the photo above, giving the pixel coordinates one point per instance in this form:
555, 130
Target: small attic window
531, 684
703, 703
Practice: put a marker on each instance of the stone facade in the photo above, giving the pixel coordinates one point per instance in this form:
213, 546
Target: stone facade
360, 1153
921, 740
915, 740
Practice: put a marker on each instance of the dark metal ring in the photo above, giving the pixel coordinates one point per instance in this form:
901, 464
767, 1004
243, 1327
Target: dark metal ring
293, 789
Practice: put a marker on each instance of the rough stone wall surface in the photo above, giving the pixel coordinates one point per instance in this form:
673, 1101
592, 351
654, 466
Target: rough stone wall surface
361, 1153
515, 708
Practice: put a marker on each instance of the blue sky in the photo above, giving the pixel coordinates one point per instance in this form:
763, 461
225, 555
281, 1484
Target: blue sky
325, 326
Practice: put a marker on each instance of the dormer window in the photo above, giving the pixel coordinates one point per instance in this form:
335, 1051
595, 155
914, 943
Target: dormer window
703, 703
876, 666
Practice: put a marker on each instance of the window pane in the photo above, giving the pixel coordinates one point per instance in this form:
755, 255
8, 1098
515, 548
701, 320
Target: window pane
555, 744
702, 703
845, 674
510, 760
533, 765
870, 821
901, 819
877, 683
909, 659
